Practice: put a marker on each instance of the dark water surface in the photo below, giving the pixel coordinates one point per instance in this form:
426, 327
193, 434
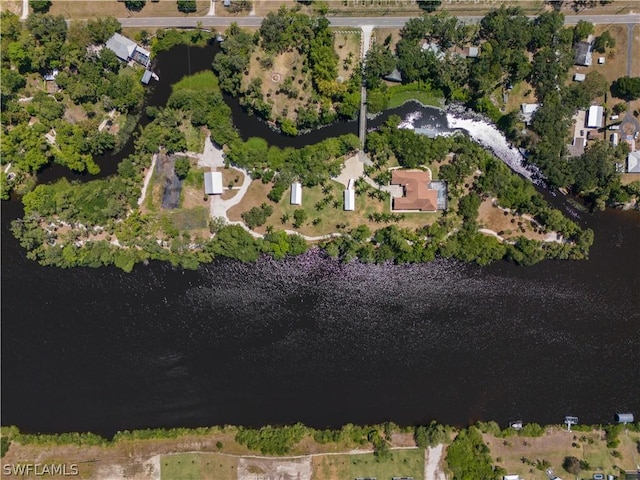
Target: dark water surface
311, 340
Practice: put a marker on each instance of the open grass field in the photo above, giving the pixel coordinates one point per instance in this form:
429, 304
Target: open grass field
403, 463
113, 8
556, 445
204, 82
198, 466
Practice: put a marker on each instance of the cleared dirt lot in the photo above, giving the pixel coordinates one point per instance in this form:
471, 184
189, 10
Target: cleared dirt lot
274, 469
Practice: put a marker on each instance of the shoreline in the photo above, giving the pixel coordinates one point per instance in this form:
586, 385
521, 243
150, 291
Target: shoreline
421, 452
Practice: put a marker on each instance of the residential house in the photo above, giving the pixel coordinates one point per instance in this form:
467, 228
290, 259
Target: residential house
128, 50
583, 54
417, 192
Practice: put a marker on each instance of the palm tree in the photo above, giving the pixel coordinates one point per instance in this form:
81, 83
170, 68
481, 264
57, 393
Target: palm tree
285, 218
269, 229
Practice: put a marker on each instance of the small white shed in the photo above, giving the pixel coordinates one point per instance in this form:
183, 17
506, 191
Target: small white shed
296, 193
349, 200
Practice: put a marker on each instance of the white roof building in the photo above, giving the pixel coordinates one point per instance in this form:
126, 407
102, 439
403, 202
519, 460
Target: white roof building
296, 193
595, 117
473, 52
511, 477
579, 77
633, 162
349, 200
615, 139
213, 183
528, 109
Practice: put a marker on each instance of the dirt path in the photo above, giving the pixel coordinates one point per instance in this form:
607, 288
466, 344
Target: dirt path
147, 179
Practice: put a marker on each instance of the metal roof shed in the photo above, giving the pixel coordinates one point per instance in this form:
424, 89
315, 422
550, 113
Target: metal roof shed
349, 200
594, 120
146, 77
213, 183
296, 193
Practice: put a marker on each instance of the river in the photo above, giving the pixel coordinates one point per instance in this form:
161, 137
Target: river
309, 339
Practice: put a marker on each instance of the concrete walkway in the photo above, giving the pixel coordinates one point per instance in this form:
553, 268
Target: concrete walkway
212, 8
353, 168
432, 457
25, 10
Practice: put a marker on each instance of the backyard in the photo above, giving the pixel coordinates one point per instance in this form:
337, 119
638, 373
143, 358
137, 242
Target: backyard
325, 220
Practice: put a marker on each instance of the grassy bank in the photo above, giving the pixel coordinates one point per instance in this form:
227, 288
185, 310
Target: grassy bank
399, 94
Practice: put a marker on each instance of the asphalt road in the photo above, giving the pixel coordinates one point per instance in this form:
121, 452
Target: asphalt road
342, 21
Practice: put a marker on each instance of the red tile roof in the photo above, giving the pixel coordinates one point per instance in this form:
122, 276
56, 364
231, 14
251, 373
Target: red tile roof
417, 195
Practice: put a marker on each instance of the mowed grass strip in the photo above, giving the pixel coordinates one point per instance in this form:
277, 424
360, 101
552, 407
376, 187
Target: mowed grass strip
402, 463
204, 82
198, 466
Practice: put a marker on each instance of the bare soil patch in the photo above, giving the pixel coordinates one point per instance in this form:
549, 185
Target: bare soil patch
274, 469
256, 195
507, 226
13, 6
380, 35
75, 114
231, 177
402, 440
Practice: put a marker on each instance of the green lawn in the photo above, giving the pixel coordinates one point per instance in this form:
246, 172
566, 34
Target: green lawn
403, 463
197, 466
329, 216
203, 81
400, 94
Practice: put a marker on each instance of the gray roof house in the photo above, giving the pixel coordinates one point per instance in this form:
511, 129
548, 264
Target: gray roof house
126, 50
583, 54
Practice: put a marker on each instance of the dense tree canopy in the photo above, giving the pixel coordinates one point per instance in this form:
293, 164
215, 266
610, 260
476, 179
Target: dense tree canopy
627, 88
